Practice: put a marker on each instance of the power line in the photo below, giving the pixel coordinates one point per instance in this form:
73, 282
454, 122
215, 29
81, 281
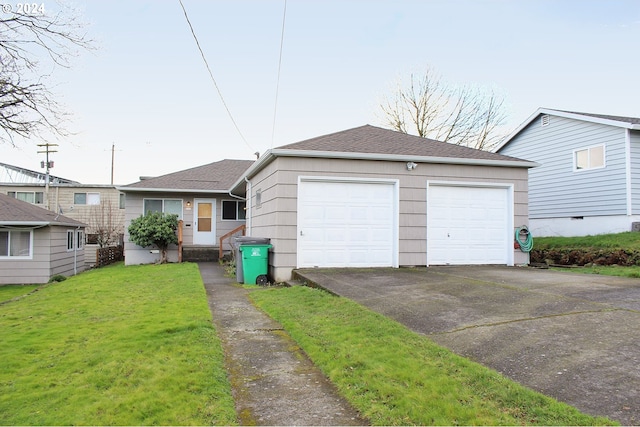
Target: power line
275, 107
212, 78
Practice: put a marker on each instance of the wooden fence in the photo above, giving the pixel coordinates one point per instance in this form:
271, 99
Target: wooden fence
109, 255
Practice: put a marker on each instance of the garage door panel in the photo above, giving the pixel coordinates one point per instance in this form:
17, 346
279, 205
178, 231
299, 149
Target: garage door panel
467, 225
352, 224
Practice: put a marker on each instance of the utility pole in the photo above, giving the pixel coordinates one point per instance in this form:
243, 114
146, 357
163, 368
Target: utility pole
48, 165
113, 150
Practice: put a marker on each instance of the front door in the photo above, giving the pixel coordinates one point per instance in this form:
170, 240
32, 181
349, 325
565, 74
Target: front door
204, 222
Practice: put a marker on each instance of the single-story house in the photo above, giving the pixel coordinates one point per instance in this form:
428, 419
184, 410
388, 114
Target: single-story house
372, 197
588, 181
36, 244
201, 199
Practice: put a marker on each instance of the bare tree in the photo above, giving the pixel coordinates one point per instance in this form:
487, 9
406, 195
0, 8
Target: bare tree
33, 42
432, 108
106, 221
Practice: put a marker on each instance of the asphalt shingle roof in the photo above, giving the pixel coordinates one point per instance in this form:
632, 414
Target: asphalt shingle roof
15, 211
213, 177
375, 140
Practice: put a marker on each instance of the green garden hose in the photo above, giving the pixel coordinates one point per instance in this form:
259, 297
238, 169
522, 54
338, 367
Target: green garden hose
527, 244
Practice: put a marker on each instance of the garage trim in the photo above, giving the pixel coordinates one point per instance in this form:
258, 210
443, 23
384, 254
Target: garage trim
395, 183
509, 223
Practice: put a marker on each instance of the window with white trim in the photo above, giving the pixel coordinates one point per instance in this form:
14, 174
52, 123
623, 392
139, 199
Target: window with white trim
35, 197
167, 206
589, 158
233, 210
79, 239
15, 244
86, 198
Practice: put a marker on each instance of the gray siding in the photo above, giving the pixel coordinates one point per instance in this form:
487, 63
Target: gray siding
555, 189
276, 217
635, 172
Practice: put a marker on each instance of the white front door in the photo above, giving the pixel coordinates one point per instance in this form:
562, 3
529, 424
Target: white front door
469, 225
204, 222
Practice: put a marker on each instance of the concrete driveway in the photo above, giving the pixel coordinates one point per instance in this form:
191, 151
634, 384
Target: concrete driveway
570, 336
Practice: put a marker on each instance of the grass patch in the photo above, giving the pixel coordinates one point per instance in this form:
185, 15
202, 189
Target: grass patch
605, 270
396, 377
114, 346
626, 241
8, 292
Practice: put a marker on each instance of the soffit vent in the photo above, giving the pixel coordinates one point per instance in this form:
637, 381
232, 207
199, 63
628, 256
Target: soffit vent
544, 120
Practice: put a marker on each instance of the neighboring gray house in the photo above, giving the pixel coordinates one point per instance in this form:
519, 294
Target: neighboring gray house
199, 196
36, 244
371, 197
588, 181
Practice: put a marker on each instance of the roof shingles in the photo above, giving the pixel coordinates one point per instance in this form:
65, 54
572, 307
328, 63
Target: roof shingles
212, 177
374, 140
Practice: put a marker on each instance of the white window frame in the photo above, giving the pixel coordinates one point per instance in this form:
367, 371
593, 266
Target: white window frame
237, 210
588, 150
180, 215
9, 256
79, 239
14, 194
90, 199
70, 240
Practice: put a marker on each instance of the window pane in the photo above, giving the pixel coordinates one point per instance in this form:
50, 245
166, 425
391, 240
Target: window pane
39, 197
152, 205
12, 194
26, 196
242, 213
596, 157
20, 243
229, 209
80, 239
122, 200
79, 198
93, 198
582, 159
69, 240
173, 207
4, 243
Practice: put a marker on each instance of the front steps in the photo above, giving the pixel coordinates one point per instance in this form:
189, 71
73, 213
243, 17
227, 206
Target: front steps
192, 253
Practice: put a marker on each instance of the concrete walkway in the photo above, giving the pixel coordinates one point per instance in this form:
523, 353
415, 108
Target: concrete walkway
273, 381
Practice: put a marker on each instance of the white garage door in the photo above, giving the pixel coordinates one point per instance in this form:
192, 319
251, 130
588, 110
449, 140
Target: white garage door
468, 225
347, 224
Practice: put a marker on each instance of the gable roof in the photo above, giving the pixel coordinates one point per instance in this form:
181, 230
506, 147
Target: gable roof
369, 139
374, 143
14, 212
618, 121
214, 177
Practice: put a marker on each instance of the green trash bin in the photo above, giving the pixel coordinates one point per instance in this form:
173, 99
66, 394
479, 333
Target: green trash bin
255, 263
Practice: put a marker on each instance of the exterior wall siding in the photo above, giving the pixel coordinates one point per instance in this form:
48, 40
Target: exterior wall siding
61, 200
635, 172
276, 217
555, 189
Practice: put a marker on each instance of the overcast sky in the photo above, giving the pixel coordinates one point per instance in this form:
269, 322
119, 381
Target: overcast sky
146, 88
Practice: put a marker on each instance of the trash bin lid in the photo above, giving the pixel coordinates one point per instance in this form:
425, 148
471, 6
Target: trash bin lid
255, 240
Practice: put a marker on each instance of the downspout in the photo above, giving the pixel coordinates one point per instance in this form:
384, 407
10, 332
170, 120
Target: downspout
248, 206
627, 155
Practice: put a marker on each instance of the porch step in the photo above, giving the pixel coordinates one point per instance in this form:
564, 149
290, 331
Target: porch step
192, 253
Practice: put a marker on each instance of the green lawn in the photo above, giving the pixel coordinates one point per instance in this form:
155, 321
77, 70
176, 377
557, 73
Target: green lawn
628, 240
8, 292
396, 377
115, 346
